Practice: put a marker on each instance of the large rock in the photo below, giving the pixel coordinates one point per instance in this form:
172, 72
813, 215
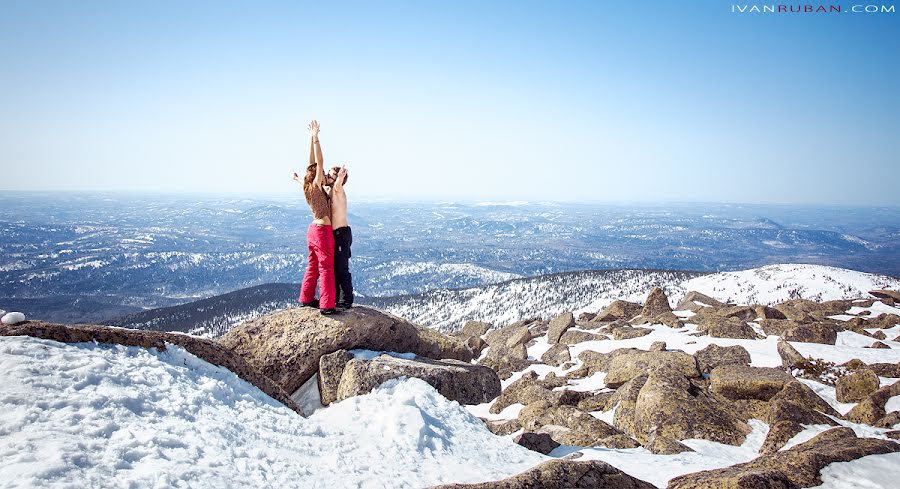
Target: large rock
624, 367
542, 413
557, 355
823, 333
886, 294
502, 427
657, 303
529, 388
794, 313
536, 442
671, 407
786, 419
453, 379
575, 336
790, 357
714, 356
506, 360
855, 386
286, 345
559, 325
871, 409
727, 327
599, 362
208, 350
508, 337
563, 474
475, 328
745, 382
775, 327
798, 466
618, 310
331, 367
627, 332
694, 301
798, 393
744, 313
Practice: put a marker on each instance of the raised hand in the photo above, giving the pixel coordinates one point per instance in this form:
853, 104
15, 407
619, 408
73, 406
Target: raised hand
314, 129
295, 177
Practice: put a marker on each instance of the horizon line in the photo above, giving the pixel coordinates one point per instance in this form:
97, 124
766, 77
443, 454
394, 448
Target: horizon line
508, 202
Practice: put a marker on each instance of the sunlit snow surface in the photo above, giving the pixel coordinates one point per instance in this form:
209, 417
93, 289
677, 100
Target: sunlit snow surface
85, 415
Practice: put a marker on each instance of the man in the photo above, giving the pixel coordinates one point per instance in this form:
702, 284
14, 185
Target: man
343, 238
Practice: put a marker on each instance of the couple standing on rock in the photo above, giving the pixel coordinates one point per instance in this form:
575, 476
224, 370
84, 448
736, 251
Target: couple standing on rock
328, 237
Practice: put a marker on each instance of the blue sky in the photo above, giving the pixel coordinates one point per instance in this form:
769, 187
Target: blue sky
525, 100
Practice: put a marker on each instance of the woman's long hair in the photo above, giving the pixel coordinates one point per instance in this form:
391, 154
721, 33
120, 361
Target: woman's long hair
309, 178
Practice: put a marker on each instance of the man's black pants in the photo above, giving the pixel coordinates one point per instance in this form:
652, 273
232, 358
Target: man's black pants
343, 281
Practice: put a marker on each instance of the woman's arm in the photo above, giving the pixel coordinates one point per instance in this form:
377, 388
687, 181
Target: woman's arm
317, 148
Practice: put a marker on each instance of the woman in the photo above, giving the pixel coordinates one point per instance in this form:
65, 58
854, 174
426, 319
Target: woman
319, 236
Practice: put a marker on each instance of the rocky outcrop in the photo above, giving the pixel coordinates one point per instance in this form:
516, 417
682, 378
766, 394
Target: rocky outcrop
744, 382
588, 429
529, 388
502, 427
453, 379
618, 311
627, 332
671, 407
331, 367
790, 357
727, 327
871, 409
563, 474
657, 303
695, 301
855, 386
892, 295
536, 442
208, 350
823, 333
558, 326
575, 336
714, 356
286, 345
626, 366
798, 466
775, 327
557, 355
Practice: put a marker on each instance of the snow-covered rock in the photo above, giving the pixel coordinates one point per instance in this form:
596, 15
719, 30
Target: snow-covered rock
12, 318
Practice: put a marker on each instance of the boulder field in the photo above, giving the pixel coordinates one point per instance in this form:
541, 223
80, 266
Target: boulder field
661, 396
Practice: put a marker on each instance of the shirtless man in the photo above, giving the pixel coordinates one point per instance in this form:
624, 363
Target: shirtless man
343, 238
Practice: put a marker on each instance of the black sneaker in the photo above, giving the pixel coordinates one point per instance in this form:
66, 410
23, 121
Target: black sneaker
314, 303
344, 307
328, 312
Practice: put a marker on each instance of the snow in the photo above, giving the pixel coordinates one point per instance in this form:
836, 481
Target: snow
775, 283
87, 415
871, 472
12, 318
659, 469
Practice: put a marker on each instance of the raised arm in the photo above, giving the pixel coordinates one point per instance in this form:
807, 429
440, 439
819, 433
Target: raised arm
339, 179
316, 148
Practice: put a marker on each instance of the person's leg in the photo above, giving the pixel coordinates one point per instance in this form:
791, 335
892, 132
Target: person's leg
343, 238
308, 289
325, 256
338, 265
